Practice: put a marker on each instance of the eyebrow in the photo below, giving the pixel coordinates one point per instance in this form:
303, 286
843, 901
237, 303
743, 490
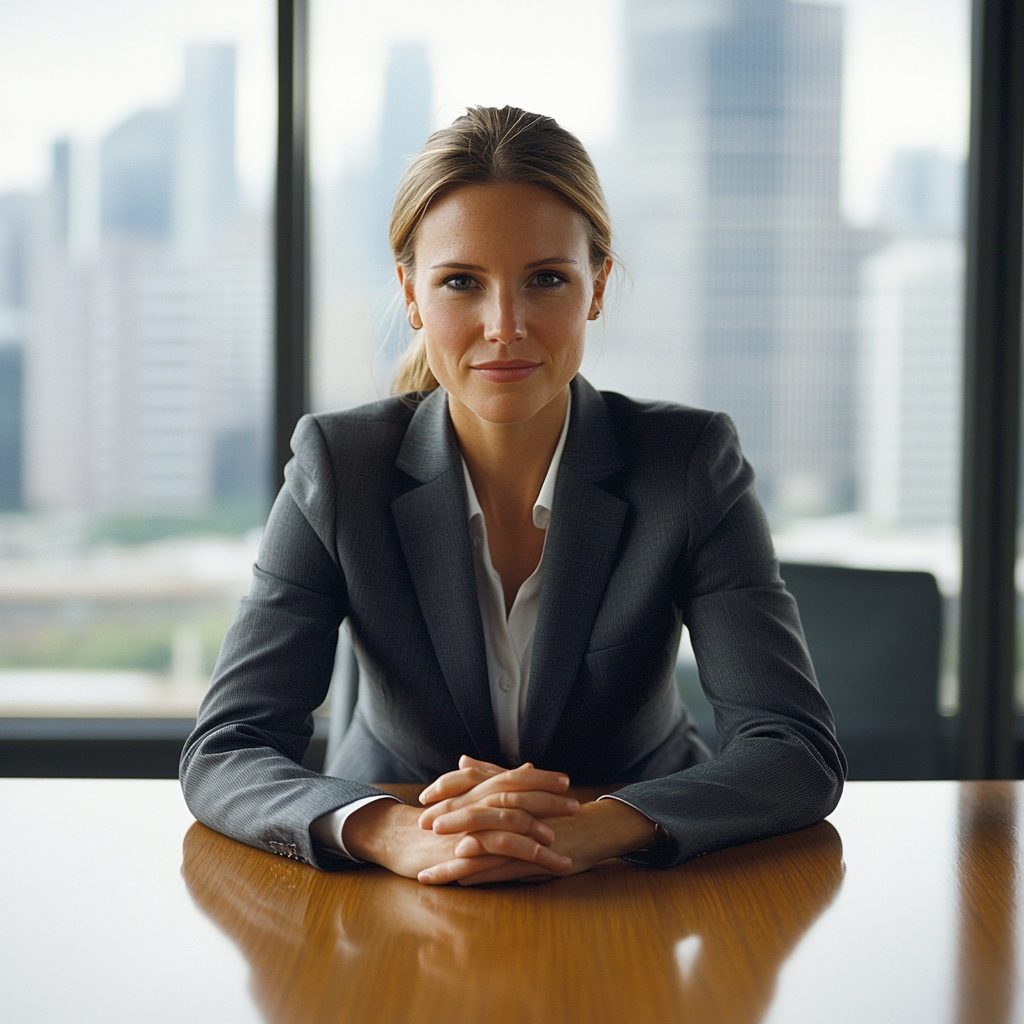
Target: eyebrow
529, 266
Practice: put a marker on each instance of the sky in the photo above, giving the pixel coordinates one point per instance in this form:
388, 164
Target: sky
77, 67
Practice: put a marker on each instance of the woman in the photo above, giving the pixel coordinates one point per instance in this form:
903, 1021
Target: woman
516, 554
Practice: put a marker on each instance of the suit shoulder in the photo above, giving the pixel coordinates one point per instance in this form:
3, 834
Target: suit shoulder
363, 434
668, 428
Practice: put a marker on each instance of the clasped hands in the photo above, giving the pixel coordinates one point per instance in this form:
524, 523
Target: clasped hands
484, 823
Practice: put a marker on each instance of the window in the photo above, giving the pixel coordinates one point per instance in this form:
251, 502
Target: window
135, 346
786, 179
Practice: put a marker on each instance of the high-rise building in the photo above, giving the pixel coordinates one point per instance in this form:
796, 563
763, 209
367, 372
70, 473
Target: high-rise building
922, 194
136, 177
15, 214
911, 334
206, 183
745, 272
149, 370
359, 324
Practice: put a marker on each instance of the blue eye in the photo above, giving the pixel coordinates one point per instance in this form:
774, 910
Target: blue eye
459, 282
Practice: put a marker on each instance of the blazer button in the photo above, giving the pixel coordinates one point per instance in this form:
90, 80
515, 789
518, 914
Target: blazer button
504, 683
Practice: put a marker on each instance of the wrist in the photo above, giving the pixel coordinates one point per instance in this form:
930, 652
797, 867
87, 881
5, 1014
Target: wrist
372, 832
618, 828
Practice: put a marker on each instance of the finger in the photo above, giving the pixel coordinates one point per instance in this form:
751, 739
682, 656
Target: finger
478, 818
485, 766
453, 784
514, 871
514, 780
523, 778
462, 867
537, 803
509, 844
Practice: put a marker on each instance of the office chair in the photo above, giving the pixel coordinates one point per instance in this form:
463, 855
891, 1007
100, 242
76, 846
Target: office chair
875, 638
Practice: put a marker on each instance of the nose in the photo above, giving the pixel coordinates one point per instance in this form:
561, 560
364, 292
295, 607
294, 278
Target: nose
505, 322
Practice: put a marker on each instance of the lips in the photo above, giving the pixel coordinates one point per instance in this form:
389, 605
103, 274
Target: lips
506, 371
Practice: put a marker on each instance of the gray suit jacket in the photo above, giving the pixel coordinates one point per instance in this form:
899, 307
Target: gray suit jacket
654, 522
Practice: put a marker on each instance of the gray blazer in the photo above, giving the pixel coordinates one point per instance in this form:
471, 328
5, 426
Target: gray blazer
655, 522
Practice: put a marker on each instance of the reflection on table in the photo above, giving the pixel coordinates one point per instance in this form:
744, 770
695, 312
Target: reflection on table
698, 943
913, 918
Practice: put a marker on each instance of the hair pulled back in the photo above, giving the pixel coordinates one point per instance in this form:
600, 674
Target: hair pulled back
484, 146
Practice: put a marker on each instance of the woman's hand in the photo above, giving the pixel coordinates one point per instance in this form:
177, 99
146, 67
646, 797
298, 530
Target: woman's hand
388, 833
483, 796
600, 830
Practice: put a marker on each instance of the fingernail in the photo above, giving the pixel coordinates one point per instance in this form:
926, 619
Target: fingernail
574, 805
424, 876
563, 780
546, 833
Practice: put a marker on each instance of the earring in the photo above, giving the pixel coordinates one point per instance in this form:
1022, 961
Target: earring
413, 318
594, 315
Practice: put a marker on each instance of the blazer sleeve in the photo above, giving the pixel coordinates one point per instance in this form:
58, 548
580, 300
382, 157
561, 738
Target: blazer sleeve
241, 769
780, 767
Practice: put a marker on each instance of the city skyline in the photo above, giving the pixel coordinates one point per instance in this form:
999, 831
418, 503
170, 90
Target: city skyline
360, 200
145, 340
906, 79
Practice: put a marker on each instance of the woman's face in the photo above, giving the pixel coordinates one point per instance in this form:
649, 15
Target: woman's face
503, 287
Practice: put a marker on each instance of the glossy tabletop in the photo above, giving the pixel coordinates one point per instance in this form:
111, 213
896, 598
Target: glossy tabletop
117, 906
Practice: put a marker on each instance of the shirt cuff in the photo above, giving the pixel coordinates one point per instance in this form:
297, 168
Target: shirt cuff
329, 828
612, 796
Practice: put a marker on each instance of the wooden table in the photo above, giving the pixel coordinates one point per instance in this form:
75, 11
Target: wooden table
117, 907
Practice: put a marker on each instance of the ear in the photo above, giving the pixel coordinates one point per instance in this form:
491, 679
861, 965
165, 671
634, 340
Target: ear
406, 283
600, 283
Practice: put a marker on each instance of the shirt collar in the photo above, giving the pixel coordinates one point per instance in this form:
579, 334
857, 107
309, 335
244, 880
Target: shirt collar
546, 499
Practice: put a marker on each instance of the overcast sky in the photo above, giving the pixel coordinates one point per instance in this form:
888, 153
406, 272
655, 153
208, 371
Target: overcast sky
78, 66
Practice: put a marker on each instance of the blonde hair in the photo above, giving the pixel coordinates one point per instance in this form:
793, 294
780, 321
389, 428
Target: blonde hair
484, 146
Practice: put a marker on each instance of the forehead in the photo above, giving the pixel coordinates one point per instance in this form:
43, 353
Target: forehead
500, 220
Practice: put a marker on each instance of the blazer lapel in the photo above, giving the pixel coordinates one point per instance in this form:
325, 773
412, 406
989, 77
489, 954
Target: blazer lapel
434, 534
579, 555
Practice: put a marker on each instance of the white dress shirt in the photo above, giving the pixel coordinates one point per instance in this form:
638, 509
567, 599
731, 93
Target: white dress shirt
508, 640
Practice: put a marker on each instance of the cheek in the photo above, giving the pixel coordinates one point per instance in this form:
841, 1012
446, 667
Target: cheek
448, 324
568, 334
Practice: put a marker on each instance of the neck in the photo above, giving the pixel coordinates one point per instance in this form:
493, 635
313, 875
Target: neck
508, 461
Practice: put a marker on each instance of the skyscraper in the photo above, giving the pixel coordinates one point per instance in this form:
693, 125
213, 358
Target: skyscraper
404, 127
360, 329
206, 185
911, 331
15, 214
136, 176
746, 274
149, 387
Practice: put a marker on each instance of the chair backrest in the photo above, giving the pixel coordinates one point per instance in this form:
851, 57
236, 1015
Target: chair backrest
875, 638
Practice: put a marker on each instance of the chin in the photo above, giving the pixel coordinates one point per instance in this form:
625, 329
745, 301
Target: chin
507, 408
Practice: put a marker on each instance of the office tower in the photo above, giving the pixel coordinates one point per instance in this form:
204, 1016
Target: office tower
359, 323
404, 127
235, 324
206, 186
745, 273
922, 194
911, 345
149, 371
136, 175
15, 213
57, 343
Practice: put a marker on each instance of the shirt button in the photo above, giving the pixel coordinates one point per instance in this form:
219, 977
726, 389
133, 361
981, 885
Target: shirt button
504, 683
